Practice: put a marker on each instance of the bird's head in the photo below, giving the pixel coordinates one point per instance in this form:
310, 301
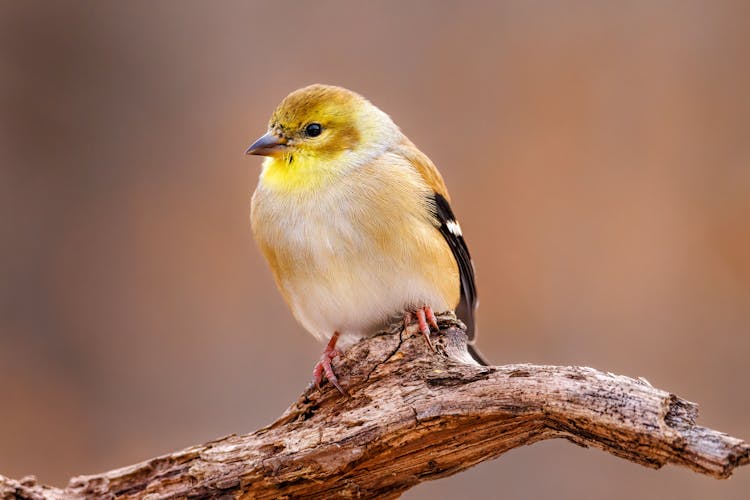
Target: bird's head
321, 129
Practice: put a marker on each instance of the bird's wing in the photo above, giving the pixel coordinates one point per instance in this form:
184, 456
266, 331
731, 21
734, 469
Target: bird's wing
451, 231
448, 226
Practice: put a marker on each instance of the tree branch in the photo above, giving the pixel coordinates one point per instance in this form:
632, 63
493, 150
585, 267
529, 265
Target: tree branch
415, 415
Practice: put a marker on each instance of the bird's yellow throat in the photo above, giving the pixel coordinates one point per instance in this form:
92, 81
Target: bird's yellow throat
302, 173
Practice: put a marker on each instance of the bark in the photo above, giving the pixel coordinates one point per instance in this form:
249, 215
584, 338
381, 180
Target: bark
415, 415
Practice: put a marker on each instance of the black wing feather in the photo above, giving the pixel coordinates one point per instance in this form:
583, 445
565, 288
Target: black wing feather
449, 228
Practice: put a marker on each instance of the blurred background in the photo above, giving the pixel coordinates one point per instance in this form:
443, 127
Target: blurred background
598, 156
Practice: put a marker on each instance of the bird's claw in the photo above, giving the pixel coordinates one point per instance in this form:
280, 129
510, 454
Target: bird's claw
324, 369
425, 319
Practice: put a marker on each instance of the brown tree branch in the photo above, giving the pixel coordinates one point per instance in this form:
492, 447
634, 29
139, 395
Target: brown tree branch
415, 415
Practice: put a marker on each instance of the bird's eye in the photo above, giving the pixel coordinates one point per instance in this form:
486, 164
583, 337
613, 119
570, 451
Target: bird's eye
313, 130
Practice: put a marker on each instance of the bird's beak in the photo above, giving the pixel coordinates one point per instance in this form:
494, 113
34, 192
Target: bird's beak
268, 145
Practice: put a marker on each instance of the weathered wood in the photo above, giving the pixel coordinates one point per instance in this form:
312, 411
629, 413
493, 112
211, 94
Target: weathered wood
415, 415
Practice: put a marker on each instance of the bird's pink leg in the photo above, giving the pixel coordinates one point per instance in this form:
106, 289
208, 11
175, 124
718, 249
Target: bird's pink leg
323, 367
431, 319
423, 327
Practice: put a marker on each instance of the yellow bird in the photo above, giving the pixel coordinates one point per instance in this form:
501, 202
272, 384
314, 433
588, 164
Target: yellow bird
355, 222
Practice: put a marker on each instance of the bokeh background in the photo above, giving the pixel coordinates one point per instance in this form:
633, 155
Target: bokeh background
598, 155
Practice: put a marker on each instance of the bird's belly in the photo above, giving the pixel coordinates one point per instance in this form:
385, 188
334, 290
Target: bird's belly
341, 277
358, 297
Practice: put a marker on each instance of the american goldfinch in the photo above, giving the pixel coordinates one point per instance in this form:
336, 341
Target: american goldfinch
355, 222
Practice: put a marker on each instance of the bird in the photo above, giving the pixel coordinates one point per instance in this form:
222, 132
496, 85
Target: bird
356, 223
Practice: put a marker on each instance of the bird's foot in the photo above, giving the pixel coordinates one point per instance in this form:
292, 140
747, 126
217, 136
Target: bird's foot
425, 319
323, 368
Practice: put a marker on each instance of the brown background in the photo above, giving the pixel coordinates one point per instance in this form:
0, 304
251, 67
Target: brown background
598, 155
